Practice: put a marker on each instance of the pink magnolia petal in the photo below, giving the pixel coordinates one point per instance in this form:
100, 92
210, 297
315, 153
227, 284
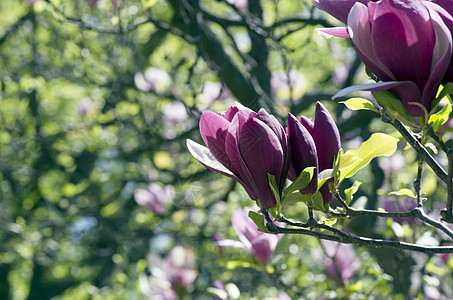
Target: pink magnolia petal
333, 31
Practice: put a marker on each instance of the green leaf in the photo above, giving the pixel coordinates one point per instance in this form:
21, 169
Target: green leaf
326, 221
404, 192
351, 191
233, 264
324, 176
379, 144
359, 104
394, 106
274, 188
318, 201
446, 91
221, 294
300, 183
440, 118
258, 219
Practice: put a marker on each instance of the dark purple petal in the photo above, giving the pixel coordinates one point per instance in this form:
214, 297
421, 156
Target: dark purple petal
337, 8
232, 152
403, 39
303, 151
262, 153
273, 124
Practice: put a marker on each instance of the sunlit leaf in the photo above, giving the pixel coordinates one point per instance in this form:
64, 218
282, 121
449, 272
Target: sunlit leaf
440, 118
403, 192
359, 104
379, 144
351, 191
301, 181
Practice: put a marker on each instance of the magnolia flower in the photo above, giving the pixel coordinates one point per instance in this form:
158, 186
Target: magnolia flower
303, 136
258, 243
413, 59
245, 146
170, 275
155, 198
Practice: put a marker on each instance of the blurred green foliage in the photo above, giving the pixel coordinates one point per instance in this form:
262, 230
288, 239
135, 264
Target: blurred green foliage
79, 135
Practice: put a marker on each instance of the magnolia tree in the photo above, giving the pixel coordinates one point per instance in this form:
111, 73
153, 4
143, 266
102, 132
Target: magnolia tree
345, 177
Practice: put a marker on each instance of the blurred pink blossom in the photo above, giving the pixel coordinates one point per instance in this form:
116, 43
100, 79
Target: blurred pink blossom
84, 106
213, 91
175, 113
170, 275
284, 86
154, 79
338, 259
30, 2
260, 244
240, 4
281, 296
155, 198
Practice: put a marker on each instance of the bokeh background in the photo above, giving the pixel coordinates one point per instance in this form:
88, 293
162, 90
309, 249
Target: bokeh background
99, 197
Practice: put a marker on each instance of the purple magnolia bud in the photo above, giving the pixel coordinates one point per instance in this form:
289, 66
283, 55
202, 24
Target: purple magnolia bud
324, 135
413, 60
328, 143
303, 152
337, 8
245, 146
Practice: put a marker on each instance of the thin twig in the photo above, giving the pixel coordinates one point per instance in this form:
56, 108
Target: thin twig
348, 238
418, 147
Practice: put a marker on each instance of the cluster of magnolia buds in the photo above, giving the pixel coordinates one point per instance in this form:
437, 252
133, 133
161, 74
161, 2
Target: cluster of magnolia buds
249, 146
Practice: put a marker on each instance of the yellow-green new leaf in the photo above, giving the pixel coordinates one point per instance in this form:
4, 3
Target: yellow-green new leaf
359, 104
404, 192
379, 144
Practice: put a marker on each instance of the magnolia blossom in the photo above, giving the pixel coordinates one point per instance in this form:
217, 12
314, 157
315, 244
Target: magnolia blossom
155, 198
170, 275
258, 243
412, 61
246, 146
